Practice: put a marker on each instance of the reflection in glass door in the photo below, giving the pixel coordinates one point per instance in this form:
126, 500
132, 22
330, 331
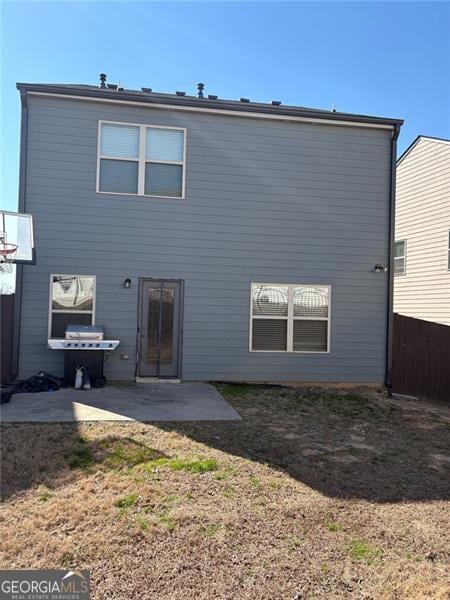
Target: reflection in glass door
159, 328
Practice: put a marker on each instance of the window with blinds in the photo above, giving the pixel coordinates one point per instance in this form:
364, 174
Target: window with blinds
400, 258
72, 302
289, 318
141, 159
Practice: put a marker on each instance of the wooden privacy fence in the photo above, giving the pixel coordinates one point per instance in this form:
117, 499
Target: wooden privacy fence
421, 358
6, 334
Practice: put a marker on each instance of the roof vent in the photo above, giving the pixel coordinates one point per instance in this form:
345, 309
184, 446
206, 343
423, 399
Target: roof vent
102, 80
276, 102
180, 93
244, 100
147, 90
200, 88
212, 97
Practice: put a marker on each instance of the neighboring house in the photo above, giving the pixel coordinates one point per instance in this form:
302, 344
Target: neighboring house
422, 231
217, 239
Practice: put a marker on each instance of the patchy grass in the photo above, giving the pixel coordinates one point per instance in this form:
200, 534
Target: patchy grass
240, 390
256, 484
181, 464
209, 530
121, 454
44, 496
127, 501
361, 550
82, 458
168, 522
314, 494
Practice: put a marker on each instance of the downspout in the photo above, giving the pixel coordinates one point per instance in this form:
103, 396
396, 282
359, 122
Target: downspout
19, 268
390, 315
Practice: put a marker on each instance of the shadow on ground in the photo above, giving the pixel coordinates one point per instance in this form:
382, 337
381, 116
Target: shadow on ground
343, 445
51, 454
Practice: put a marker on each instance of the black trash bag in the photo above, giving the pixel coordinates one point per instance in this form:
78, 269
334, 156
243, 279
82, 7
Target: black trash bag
5, 395
42, 382
54, 382
99, 383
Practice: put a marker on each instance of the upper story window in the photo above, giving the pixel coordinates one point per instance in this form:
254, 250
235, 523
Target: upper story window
400, 258
290, 318
72, 302
141, 159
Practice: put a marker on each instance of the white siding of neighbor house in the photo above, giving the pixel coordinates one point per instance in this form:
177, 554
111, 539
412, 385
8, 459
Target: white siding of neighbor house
423, 220
266, 201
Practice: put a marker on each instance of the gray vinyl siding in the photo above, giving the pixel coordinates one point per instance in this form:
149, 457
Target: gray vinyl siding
423, 219
266, 201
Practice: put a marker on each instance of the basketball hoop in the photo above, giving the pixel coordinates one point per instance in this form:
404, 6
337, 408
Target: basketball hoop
7, 256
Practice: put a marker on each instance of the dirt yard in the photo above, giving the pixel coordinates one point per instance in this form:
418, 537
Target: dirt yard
315, 494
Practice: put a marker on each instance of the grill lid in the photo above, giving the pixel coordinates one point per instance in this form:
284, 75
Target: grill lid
84, 332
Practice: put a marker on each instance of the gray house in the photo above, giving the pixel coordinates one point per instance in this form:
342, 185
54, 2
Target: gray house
216, 239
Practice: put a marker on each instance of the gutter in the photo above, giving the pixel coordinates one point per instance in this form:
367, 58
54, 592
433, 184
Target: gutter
205, 105
390, 308
19, 267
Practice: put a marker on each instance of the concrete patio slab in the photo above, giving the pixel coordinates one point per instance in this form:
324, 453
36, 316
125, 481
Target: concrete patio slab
121, 402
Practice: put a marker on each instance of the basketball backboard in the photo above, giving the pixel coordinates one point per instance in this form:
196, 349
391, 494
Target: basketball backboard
16, 238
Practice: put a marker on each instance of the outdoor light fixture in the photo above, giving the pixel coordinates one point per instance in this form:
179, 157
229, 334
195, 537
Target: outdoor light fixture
127, 284
380, 269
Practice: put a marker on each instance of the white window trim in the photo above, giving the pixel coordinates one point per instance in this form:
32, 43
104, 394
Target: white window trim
141, 160
290, 318
401, 257
62, 311
448, 251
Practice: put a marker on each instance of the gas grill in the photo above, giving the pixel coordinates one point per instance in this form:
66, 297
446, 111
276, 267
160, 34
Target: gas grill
84, 346
83, 337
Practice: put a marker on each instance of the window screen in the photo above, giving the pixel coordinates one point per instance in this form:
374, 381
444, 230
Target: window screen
290, 318
140, 159
72, 302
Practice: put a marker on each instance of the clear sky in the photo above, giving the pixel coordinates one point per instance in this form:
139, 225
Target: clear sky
381, 58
